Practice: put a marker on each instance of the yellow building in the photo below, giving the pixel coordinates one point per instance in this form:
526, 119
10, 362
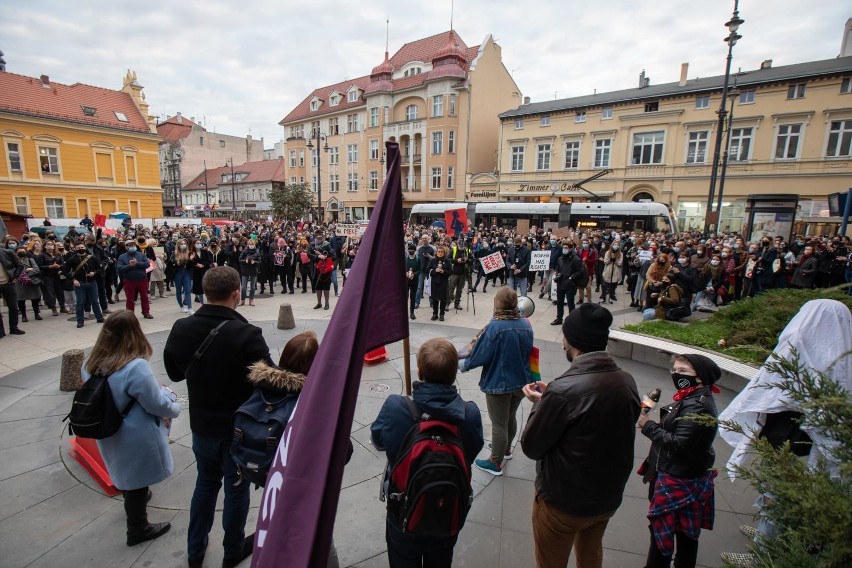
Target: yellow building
437, 97
70, 150
791, 134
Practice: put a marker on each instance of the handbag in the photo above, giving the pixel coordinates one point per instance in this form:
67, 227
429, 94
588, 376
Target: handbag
678, 312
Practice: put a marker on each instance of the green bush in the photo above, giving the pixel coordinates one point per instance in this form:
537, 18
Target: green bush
749, 327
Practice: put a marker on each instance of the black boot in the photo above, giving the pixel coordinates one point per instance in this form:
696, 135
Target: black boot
411, 314
37, 312
22, 309
138, 528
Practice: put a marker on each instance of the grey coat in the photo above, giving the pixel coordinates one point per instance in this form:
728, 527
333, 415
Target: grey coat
138, 454
28, 292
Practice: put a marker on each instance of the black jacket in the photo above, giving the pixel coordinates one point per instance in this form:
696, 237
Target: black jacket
581, 433
217, 383
570, 272
682, 447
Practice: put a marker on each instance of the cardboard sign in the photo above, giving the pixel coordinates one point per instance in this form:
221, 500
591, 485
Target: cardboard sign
456, 220
100, 220
540, 260
492, 262
644, 255
562, 232
349, 231
523, 227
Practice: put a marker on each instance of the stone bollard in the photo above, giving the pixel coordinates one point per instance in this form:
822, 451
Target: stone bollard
285, 317
70, 378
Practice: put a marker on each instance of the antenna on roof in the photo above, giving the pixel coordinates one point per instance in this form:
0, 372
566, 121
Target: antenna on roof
452, 6
387, 33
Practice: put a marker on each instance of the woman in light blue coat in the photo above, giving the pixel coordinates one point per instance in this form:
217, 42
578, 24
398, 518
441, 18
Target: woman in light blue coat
138, 454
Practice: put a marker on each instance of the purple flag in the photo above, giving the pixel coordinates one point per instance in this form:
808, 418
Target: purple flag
296, 518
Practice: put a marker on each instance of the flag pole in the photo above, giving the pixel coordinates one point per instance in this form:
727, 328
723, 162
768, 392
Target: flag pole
406, 354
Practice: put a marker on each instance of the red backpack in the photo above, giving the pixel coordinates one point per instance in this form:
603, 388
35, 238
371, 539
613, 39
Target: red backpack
428, 487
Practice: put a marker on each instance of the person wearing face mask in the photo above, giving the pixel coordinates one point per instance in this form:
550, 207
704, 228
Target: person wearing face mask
249, 266
217, 384
712, 282
440, 270
589, 255
132, 266
806, 267
183, 276
670, 296
611, 273
768, 264
570, 275
81, 268
10, 270
679, 466
201, 260
50, 270
412, 276
581, 433
28, 285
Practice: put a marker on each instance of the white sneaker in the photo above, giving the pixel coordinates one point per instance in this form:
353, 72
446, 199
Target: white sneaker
183, 309
189, 311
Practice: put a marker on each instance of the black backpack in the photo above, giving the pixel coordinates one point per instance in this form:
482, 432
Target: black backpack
93, 412
258, 426
428, 488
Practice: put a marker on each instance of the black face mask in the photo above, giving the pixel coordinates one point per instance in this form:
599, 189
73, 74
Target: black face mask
683, 381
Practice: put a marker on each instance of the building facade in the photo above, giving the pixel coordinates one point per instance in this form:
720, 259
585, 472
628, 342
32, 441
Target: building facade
790, 134
436, 97
238, 192
187, 148
71, 150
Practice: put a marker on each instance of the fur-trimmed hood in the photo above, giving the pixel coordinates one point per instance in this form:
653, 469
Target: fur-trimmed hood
274, 378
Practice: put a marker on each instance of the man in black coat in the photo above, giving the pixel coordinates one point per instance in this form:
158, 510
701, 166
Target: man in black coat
217, 384
570, 275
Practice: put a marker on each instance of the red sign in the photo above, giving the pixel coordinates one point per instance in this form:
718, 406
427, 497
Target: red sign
456, 220
100, 220
492, 262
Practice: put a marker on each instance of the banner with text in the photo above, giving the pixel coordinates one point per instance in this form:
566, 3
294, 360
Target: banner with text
540, 260
351, 231
492, 262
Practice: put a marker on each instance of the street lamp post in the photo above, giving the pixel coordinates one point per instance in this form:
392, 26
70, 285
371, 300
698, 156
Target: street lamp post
233, 192
319, 137
733, 25
733, 94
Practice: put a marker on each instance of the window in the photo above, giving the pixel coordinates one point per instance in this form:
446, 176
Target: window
313, 184
653, 106
226, 178
787, 142
696, 149
315, 128
606, 113
517, 158
333, 155
120, 116
21, 206
603, 148
452, 104
49, 162
352, 182
580, 116
201, 140
438, 105
796, 91
839, 139
373, 177
451, 142
747, 97
352, 153
292, 158
436, 178
297, 131
353, 96
292, 180
334, 100
519, 124
374, 149
411, 112
413, 71
314, 105
374, 116
739, 149
13, 151
846, 85
543, 162
702, 101
450, 171
334, 183
545, 120
572, 155
89, 111
352, 123
314, 156
437, 142
648, 148
55, 207
103, 162
333, 127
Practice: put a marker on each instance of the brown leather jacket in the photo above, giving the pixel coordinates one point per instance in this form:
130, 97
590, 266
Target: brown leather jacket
581, 433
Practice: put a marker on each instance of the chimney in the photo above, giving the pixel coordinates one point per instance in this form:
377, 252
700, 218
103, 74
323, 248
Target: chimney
2, 62
684, 69
767, 63
192, 119
179, 118
526, 100
642, 83
45, 81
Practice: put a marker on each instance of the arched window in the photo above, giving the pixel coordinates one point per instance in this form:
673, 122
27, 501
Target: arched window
643, 196
411, 112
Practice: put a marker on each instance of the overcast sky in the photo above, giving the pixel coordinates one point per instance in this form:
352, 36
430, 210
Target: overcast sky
243, 65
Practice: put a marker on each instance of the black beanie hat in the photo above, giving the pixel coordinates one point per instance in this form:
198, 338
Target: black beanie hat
705, 367
587, 327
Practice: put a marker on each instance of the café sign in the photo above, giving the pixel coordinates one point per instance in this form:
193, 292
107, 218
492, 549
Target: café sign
548, 188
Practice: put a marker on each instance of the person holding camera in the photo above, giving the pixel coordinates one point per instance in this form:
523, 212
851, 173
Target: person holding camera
570, 275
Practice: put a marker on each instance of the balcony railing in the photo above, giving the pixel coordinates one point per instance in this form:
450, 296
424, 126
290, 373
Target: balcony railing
411, 158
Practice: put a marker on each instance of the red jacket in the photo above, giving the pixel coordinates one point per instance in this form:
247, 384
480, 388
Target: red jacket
589, 257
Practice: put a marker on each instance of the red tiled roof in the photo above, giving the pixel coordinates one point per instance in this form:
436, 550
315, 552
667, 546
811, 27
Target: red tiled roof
303, 109
264, 170
24, 95
423, 49
174, 129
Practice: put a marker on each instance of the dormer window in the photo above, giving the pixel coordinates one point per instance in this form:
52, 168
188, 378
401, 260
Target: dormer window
89, 111
334, 100
314, 104
353, 96
120, 116
413, 71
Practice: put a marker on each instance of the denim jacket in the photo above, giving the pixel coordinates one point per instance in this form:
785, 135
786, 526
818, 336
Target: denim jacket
503, 352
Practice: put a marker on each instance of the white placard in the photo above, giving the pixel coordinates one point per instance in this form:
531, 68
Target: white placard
540, 260
492, 262
643, 255
351, 231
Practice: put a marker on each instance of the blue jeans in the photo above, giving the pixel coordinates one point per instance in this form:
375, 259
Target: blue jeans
420, 282
245, 281
648, 315
213, 462
518, 283
408, 551
334, 280
183, 287
87, 294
